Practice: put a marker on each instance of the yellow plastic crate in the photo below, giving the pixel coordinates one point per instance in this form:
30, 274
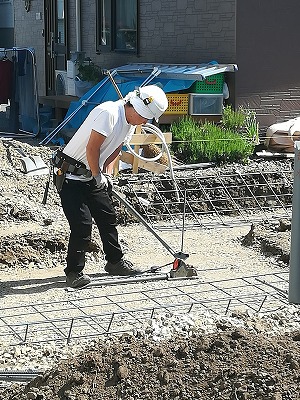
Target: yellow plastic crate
178, 104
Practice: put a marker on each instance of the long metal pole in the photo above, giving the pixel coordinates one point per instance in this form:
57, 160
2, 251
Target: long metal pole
85, 102
180, 255
294, 274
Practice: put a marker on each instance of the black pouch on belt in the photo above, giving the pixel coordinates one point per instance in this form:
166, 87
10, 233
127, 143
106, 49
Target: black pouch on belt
60, 175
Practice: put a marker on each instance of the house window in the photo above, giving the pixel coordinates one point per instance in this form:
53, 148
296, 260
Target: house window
117, 25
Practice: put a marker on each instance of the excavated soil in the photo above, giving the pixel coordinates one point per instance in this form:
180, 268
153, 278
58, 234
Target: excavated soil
233, 363
229, 365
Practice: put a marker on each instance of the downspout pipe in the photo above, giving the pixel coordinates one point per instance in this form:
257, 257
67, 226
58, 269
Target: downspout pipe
78, 25
294, 273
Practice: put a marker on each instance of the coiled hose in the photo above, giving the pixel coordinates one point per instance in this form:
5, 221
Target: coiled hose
152, 129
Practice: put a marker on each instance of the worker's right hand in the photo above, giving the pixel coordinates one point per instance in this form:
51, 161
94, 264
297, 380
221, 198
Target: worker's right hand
100, 181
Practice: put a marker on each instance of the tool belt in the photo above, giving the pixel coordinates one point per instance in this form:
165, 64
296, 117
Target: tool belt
66, 164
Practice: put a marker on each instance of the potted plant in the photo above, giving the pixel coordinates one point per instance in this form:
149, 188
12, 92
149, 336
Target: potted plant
89, 74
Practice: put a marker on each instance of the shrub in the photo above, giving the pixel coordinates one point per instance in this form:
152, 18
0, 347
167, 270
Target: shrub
233, 139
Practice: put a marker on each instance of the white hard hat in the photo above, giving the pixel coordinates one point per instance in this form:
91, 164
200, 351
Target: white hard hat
148, 101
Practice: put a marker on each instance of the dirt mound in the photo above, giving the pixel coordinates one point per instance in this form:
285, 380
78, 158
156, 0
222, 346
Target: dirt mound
229, 365
271, 239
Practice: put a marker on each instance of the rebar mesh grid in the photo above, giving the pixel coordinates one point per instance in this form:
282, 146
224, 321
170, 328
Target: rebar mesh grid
213, 199
92, 315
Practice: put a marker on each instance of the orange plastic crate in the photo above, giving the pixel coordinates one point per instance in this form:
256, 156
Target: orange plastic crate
178, 104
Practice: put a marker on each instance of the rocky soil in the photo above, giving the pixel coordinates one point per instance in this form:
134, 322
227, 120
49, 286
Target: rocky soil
242, 355
231, 364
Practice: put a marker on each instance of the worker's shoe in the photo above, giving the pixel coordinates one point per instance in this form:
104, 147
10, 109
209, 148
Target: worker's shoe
77, 279
122, 268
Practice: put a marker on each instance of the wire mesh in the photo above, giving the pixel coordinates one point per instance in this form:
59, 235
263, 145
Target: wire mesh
213, 199
94, 315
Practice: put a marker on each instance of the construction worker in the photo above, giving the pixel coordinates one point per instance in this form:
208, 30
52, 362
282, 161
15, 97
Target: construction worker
81, 180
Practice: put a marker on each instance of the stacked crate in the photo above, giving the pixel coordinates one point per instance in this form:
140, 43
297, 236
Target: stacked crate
206, 97
203, 98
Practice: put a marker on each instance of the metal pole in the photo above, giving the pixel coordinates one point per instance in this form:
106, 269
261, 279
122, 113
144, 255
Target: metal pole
294, 274
85, 102
180, 255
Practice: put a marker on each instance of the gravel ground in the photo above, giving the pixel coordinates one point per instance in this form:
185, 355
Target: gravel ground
171, 356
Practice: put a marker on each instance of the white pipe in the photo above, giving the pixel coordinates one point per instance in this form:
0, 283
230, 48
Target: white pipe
149, 128
78, 25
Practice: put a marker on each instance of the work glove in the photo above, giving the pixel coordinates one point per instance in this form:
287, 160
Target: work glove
100, 181
110, 183
104, 181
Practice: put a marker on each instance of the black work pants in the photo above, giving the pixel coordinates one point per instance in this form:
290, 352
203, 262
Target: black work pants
82, 201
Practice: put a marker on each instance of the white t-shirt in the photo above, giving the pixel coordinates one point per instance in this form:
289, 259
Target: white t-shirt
108, 119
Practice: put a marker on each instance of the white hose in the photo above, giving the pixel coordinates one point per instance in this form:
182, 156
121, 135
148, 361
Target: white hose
149, 128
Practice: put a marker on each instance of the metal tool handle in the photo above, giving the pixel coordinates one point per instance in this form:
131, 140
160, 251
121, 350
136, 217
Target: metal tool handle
8, 143
19, 150
118, 196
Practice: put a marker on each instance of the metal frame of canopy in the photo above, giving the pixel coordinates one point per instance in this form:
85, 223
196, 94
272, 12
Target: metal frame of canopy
194, 72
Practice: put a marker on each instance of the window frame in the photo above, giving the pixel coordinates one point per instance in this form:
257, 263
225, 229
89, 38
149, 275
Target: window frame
112, 46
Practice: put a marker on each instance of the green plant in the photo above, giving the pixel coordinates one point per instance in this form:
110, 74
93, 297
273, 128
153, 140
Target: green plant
251, 126
242, 120
89, 72
185, 134
231, 140
231, 119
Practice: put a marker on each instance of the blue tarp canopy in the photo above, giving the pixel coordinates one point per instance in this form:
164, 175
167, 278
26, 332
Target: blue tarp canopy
170, 77
105, 91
